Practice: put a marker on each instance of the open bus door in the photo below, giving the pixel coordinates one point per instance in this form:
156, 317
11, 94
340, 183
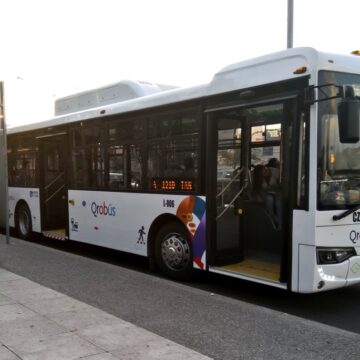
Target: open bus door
227, 171
53, 185
248, 219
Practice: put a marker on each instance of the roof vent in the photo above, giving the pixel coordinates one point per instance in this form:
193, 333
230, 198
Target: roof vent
110, 94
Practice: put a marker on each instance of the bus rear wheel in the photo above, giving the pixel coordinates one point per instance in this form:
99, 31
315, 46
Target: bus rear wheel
23, 222
173, 252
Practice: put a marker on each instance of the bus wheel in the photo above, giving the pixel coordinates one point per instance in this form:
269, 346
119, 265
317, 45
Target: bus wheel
23, 222
173, 251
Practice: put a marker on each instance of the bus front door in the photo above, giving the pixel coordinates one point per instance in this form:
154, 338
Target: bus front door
227, 246
247, 231
53, 181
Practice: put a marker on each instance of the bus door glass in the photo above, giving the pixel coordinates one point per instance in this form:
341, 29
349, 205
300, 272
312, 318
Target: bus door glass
229, 172
53, 182
249, 191
261, 207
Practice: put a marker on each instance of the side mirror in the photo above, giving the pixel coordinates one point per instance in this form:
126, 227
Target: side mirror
349, 118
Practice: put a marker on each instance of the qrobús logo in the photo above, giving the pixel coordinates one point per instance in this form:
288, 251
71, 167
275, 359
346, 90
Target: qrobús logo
103, 209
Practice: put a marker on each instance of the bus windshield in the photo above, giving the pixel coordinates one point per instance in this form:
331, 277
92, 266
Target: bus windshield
338, 163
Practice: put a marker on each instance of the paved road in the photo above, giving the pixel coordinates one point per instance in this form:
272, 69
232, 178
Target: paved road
218, 317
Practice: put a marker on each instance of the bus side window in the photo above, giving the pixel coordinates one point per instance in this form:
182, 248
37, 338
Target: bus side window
125, 167
136, 162
174, 160
22, 170
116, 166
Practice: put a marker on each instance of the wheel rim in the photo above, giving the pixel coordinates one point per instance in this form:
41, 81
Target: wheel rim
24, 223
175, 252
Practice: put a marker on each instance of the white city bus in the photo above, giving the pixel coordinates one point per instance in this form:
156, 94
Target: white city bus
255, 175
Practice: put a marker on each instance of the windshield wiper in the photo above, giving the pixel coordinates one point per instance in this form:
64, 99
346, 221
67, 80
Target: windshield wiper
346, 213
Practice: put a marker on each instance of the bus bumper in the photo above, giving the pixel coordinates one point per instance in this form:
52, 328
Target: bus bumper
338, 275
353, 276
314, 277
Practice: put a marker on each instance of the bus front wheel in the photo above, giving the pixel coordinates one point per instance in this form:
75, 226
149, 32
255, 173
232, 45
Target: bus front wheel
23, 222
173, 251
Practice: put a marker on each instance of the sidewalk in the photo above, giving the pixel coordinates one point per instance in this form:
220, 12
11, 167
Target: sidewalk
39, 323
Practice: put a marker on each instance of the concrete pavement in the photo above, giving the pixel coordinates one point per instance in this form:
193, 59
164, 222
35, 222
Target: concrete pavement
38, 323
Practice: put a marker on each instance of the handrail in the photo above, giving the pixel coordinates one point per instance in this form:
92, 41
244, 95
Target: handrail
246, 183
55, 193
231, 202
54, 180
239, 171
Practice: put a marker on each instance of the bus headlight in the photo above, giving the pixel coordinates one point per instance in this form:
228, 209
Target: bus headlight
334, 255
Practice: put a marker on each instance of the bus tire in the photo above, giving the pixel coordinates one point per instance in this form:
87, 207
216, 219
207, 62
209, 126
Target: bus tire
173, 251
23, 223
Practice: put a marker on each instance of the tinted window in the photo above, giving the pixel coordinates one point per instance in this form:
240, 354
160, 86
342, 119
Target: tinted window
173, 152
22, 162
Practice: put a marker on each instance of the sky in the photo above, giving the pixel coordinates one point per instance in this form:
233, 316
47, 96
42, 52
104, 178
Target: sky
53, 48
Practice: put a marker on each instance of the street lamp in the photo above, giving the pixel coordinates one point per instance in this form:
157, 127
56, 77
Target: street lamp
290, 24
4, 171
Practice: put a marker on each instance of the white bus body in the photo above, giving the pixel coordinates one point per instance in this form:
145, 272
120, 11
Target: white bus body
123, 220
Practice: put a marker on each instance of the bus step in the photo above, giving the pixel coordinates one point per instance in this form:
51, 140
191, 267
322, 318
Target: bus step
58, 234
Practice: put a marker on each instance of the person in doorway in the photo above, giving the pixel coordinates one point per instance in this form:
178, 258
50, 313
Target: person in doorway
261, 179
274, 168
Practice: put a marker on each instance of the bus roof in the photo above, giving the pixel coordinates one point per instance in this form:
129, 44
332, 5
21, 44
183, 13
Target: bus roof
105, 95
262, 70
